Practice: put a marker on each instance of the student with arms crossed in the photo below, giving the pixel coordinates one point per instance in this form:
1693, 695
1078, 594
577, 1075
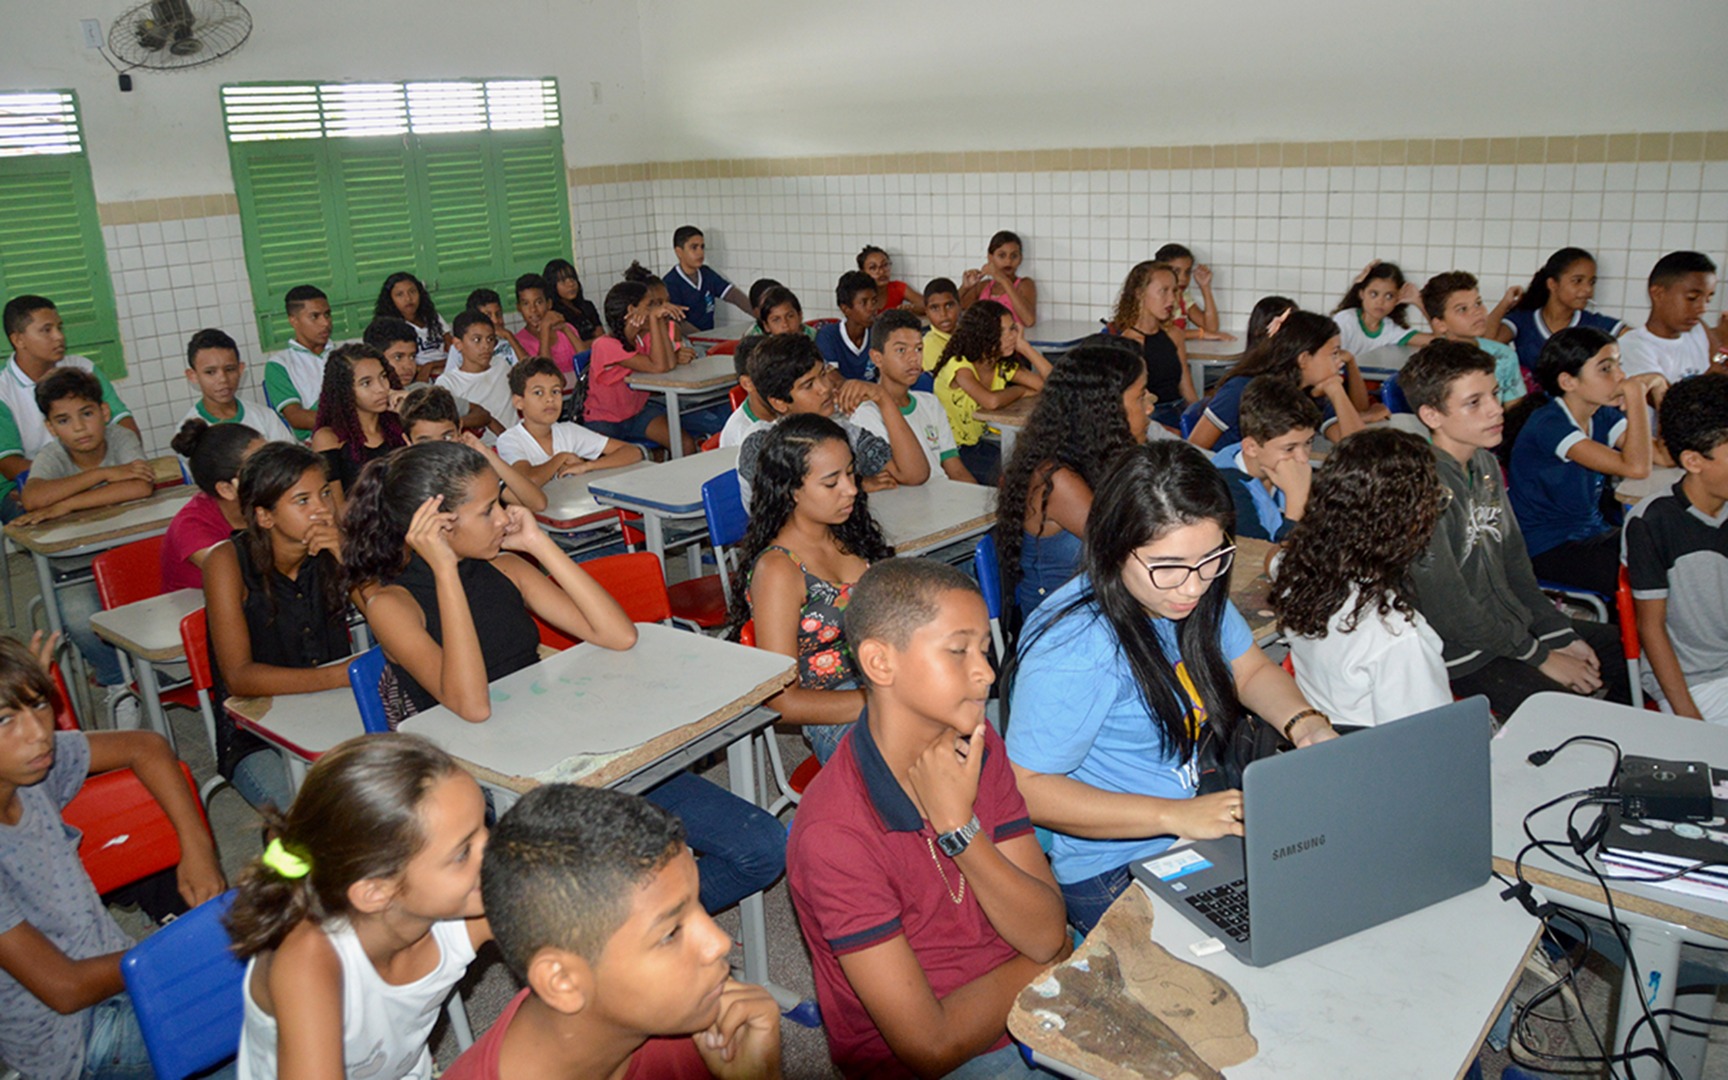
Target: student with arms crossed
214, 366
1342, 589
846, 344
694, 287
896, 352
38, 341
294, 375
919, 885
1676, 342
1119, 669
592, 895
542, 446
1269, 471
987, 364
64, 1010
1475, 585
1676, 554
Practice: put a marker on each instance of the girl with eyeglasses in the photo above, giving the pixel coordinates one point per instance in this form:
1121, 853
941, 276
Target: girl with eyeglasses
1119, 668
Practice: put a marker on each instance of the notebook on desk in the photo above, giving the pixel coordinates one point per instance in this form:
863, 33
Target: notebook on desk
1341, 837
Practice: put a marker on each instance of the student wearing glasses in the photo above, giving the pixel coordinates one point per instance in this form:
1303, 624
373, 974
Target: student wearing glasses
1119, 668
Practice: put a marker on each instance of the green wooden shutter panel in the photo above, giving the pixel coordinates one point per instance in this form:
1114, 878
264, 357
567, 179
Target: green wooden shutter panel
464, 229
52, 246
376, 214
536, 199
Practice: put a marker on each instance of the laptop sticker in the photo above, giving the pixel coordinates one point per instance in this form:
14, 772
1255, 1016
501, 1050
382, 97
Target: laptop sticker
1177, 864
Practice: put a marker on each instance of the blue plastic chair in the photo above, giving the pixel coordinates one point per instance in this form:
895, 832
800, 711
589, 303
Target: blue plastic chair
1392, 395
580, 361
988, 569
728, 521
1191, 416
364, 671
185, 983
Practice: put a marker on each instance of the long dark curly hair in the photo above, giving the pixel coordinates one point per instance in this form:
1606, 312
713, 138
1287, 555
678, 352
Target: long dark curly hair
1302, 332
1371, 513
425, 314
1127, 311
1077, 424
780, 471
337, 409
977, 337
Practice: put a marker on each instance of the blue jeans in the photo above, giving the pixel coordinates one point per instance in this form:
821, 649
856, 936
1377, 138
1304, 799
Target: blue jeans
824, 739
1003, 1064
262, 777
116, 1048
743, 846
77, 603
983, 459
1089, 898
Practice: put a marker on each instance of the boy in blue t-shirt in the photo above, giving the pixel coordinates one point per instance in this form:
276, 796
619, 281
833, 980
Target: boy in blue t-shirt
1269, 471
694, 287
1455, 310
846, 344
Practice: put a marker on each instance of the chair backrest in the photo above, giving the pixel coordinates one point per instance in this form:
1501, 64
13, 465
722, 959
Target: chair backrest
195, 642
64, 718
552, 637
723, 503
1290, 664
636, 581
747, 634
736, 396
1191, 416
1392, 395
187, 989
580, 360
989, 573
364, 671
127, 835
129, 573
725, 348
1628, 617
712, 442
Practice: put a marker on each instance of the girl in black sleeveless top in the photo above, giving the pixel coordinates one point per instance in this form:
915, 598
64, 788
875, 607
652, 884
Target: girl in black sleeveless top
274, 597
1143, 314
356, 423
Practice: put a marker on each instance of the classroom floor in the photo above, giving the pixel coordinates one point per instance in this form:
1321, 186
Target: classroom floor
489, 986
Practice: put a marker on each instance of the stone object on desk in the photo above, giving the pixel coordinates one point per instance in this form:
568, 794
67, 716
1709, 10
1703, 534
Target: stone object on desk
1175, 1021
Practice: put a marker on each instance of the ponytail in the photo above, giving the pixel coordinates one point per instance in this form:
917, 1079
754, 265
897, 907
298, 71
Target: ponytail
213, 452
385, 498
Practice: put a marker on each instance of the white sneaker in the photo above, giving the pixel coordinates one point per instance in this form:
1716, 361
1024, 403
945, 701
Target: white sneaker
123, 707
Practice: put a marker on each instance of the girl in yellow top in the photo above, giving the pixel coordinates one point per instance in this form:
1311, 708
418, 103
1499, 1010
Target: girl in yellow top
982, 366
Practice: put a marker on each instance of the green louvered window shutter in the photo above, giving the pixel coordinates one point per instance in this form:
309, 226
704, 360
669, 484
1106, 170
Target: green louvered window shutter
52, 242
341, 185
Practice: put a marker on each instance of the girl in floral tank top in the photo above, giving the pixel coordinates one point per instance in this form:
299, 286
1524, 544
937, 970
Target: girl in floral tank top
811, 536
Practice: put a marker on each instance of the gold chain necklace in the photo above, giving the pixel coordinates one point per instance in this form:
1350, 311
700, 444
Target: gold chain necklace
931, 844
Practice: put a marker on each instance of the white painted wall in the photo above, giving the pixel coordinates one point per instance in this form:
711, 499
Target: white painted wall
797, 77
164, 138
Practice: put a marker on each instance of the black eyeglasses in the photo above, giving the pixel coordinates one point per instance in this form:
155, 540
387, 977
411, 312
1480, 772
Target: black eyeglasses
1169, 576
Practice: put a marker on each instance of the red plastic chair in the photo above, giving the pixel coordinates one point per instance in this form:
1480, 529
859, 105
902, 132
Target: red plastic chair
736, 396
1628, 612
552, 637
127, 836
725, 348
126, 575
712, 442
195, 642
700, 601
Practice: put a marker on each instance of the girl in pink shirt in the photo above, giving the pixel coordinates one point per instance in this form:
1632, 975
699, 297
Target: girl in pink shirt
639, 340
214, 454
998, 280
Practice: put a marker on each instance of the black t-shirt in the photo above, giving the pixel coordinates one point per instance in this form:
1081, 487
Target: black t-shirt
1163, 368
509, 640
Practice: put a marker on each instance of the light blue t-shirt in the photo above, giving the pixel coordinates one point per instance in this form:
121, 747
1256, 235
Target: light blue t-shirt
1508, 375
1076, 711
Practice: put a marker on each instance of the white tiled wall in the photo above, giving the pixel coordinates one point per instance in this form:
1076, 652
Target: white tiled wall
1299, 231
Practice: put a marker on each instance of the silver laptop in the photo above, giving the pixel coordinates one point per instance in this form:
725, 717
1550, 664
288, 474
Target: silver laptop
1341, 837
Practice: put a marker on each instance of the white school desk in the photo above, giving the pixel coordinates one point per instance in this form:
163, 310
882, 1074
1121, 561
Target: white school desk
703, 378
1658, 920
1660, 481
718, 686
1060, 335
1384, 361
671, 490
572, 507
1412, 998
1008, 421
722, 332
935, 514
148, 631
1213, 355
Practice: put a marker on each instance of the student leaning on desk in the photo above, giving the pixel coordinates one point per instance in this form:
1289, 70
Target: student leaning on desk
1119, 669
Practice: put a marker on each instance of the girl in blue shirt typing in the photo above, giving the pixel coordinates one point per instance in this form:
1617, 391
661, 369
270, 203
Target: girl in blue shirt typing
1120, 667
1590, 421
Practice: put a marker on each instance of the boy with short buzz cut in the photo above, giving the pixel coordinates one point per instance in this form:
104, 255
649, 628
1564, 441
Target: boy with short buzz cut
1455, 311
1675, 548
896, 348
592, 896
791, 377
1676, 342
919, 886
479, 377
540, 445
488, 303
1475, 586
691, 285
38, 339
1269, 471
942, 308
429, 415
846, 344
294, 374
752, 414
214, 366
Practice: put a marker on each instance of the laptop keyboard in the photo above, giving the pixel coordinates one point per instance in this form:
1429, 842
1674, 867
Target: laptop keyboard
1226, 907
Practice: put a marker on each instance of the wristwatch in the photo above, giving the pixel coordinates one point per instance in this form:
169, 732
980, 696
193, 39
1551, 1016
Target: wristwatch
953, 843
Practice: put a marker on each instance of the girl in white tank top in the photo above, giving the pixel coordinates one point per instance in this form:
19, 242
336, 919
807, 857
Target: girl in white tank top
362, 914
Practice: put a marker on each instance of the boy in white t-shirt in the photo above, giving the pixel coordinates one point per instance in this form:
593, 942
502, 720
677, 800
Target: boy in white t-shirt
214, 366
543, 447
753, 413
1676, 342
479, 378
897, 351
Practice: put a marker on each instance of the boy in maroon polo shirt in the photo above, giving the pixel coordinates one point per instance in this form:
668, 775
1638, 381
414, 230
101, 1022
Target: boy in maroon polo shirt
920, 888
592, 897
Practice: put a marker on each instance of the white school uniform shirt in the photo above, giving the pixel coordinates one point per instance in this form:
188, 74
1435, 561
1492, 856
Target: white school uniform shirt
928, 420
384, 1027
305, 371
489, 389
1355, 338
260, 419
1383, 670
502, 353
1672, 358
517, 445
740, 424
